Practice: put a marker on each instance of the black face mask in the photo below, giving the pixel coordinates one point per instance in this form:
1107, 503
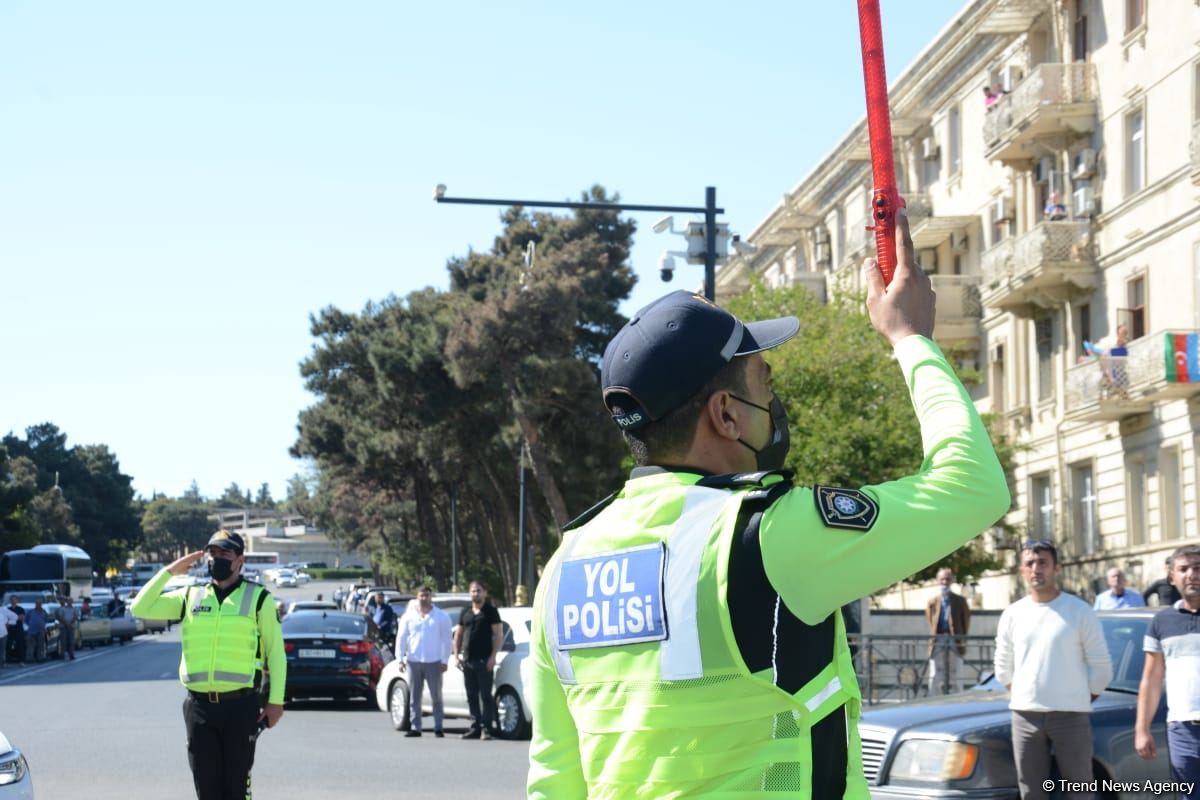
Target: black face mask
220, 568
771, 455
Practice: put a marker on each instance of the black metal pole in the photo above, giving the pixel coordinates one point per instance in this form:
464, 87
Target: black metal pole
521, 524
710, 243
453, 536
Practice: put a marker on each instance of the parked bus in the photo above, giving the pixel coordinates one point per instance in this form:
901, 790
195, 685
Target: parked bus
62, 568
257, 563
144, 571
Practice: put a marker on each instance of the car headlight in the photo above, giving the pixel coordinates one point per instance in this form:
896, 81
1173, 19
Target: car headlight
933, 760
12, 768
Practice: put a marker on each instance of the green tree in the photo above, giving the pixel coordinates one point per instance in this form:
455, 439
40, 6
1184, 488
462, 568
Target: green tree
234, 497
851, 419
18, 487
173, 528
263, 498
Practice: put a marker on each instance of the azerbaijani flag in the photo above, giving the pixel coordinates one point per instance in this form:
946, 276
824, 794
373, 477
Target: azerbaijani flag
1182, 357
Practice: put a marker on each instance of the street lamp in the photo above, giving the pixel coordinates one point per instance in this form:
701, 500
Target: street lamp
705, 239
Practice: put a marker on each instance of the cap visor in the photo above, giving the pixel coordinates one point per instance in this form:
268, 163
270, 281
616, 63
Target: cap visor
767, 333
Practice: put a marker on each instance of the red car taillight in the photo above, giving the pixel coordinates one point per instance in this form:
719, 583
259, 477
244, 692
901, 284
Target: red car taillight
289, 647
355, 647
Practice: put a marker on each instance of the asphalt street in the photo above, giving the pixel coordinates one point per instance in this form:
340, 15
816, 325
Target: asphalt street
110, 725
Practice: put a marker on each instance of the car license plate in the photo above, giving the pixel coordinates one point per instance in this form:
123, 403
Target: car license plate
318, 653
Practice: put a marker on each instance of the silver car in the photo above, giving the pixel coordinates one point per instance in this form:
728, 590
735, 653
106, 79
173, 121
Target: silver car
15, 781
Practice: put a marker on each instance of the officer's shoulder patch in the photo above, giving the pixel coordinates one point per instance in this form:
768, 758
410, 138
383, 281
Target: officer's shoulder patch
845, 508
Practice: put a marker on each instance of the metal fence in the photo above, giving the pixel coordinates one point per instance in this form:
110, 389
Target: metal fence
893, 668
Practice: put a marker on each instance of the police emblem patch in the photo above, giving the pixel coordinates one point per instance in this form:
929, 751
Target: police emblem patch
845, 508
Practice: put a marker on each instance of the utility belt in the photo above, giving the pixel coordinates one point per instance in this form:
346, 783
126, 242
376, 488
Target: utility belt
222, 697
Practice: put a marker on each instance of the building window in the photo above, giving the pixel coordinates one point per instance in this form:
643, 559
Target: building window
1043, 334
1083, 494
1084, 314
1135, 151
1079, 32
1170, 499
1041, 506
1134, 316
1135, 15
1136, 501
996, 380
954, 148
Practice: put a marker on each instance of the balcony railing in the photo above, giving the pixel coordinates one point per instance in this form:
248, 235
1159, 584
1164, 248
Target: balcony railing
958, 310
1196, 151
1040, 267
1053, 99
1160, 366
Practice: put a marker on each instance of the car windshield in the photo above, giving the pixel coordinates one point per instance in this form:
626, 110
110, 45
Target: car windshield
1124, 637
300, 624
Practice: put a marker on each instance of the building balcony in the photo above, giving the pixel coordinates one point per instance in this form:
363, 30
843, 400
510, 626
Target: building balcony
958, 312
1011, 16
1055, 99
859, 243
1196, 151
1042, 268
1161, 366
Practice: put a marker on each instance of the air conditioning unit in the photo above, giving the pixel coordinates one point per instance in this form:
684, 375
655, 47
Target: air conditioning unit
1083, 201
929, 149
959, 243
1044, 170
1002, 209
1084, 164
1010, 77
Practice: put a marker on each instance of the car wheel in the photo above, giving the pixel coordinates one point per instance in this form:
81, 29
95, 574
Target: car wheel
398, 705
511, 715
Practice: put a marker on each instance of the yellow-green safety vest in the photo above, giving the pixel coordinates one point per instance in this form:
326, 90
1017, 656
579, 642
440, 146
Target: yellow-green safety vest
682, 716
220, 640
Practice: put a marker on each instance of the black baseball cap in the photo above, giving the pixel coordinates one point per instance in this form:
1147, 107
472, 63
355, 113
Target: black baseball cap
227, 540
671, 348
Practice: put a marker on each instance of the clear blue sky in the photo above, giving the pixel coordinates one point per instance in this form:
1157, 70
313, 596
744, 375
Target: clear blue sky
181, 185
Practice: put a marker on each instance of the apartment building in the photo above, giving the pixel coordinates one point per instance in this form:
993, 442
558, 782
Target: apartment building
1063, 210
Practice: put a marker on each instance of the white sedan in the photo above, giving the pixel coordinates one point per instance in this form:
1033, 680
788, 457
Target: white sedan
286, 577
514, 722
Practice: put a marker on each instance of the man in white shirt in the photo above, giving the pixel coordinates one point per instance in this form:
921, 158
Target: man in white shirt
1118, 595
1051, 656
423, 647
7, 618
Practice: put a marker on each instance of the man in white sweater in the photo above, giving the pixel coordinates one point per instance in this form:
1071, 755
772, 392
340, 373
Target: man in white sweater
1051, 656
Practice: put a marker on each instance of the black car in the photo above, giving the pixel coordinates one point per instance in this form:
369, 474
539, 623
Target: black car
332, 654
961, 745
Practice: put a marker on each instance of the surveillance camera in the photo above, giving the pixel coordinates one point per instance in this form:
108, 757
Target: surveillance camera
666, 275
743, 248
439, 191
663, 224
666, 267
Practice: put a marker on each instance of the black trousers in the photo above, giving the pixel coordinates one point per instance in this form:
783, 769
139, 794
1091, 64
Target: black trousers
477, 680
220, 742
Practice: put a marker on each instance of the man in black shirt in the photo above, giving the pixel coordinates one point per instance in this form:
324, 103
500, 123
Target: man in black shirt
1162, 588
480, 625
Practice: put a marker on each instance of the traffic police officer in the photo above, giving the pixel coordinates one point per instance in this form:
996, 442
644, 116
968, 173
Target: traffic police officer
685, 640
230, 634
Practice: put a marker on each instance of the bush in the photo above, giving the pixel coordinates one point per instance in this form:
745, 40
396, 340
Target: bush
340, 574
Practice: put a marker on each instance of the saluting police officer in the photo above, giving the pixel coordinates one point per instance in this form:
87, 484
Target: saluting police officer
230, 633
686, 641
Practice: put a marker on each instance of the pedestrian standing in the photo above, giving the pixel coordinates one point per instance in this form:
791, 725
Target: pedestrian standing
7, 620
384, 617
35, 632
16, 634
68, 620
949, 618
1118, 595
477, 639
1172, 648
1051, 656
423, 644
230, 635
1162, 592
686, 639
